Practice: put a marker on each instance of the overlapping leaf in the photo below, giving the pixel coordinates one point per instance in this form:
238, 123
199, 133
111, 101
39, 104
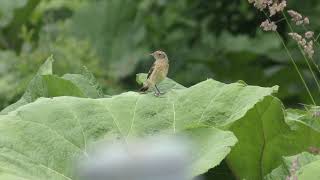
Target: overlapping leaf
304, 166
265, 135
46, 84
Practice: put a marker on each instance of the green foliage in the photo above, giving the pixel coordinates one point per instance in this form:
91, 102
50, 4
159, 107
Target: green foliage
201, 40
72, 123
46, 84
248, 107
271, 136
304, 166
116, 30
40, 35
19, 68
113, 38
214, 116
7, 10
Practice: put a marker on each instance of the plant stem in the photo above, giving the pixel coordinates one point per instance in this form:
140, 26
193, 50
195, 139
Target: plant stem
304, 56
317, 38
294, 64
279, 20
296, 68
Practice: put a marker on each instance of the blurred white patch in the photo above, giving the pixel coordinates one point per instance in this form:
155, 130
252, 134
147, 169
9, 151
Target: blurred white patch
155, 158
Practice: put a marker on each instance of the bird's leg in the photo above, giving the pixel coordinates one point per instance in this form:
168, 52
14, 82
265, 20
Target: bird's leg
157, 91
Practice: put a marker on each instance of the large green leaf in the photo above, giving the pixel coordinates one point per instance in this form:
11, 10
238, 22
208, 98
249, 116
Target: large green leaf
304, 166
255, 132
264, 137
41, 139
309, 117
87, 83
212, 146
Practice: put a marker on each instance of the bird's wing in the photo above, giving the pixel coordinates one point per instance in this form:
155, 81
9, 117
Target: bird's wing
151, 70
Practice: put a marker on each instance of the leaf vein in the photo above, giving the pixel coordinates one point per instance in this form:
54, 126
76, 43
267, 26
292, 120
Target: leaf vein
212, 99
82, 130
52, 130
133, 116
42, 165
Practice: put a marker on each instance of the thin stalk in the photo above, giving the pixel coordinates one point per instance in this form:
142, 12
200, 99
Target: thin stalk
296, 68
317, 37
279, 20
304, 56
294, 64
315, 64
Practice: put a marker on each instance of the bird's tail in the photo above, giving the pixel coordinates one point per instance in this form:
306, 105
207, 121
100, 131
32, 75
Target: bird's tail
144, 88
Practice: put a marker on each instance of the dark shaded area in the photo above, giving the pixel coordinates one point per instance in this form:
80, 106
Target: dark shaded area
221, 172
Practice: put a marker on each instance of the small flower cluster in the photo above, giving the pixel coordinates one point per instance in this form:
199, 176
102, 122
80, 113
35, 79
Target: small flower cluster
276, 6
309, 34
268, 25
302, 41
273, 6
261, 4
298, 18
293, 170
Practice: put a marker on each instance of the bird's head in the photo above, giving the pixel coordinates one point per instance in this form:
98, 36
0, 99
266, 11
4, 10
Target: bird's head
159, 55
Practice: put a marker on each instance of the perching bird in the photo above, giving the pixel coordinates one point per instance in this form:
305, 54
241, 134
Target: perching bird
158, 72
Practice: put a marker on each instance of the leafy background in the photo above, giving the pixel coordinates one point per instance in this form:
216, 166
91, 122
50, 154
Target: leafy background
112, 39
204, 39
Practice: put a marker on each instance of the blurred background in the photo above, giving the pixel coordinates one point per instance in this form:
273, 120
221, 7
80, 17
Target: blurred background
216, 39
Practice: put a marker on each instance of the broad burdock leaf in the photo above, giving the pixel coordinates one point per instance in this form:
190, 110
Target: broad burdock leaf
41, 139
264, 136
256, 132
88, 88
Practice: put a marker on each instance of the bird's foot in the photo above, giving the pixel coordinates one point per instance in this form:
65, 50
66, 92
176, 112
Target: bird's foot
158, 93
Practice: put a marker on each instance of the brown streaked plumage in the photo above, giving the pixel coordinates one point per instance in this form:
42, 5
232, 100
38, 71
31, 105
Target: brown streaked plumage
158, 72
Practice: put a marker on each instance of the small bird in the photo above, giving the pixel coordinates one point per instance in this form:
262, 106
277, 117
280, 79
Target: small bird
158, 72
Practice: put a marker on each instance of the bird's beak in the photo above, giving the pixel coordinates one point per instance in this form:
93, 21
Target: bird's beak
151, 54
